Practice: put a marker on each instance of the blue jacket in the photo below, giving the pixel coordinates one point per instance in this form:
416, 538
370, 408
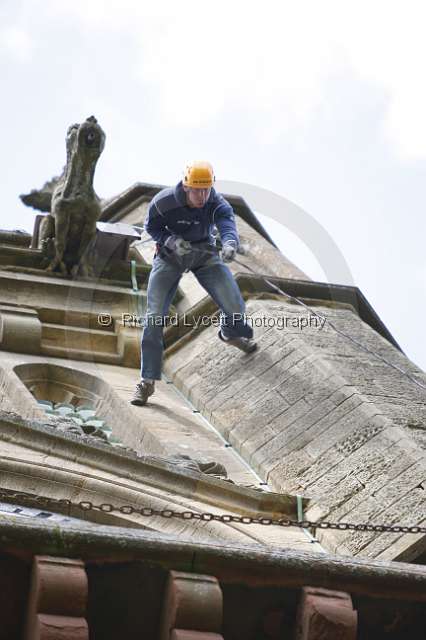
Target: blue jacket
168, 214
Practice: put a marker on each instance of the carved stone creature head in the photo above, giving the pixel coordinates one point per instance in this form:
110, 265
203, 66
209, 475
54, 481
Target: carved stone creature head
86, 138
88, 141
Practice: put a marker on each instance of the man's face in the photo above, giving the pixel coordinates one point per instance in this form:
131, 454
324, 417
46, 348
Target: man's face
196, 197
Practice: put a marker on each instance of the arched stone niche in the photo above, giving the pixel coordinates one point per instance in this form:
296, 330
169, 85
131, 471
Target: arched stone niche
47, 381
60, 384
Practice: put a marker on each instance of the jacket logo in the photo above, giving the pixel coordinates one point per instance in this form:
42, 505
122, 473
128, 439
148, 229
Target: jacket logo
188, 221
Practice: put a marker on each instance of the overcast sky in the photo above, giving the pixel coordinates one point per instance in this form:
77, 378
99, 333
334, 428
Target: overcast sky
322, 103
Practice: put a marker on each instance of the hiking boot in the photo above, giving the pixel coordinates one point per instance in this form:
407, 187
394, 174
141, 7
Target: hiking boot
244, 344
142, 392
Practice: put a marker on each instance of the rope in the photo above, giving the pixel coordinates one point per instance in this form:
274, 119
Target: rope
333, 326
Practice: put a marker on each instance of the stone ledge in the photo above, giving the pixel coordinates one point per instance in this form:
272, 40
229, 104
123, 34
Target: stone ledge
252, 565
148, 470
31, 261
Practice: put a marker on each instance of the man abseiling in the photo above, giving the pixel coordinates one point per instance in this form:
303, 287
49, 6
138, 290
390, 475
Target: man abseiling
181, 220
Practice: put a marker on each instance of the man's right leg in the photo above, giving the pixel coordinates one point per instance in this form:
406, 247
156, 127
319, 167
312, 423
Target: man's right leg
162, 284
217, 279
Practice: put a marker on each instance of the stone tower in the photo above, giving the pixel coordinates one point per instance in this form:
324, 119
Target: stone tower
311, 427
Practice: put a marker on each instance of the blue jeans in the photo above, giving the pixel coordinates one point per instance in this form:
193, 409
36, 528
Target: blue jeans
217, 280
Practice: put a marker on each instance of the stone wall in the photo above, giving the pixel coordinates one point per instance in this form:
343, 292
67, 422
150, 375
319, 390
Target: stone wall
315, 415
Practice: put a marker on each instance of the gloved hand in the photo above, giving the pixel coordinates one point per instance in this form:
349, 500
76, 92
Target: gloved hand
177, 244
229, 250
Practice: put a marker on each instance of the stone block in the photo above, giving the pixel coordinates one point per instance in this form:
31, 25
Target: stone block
192, 602
279, 425
296, 435
51, 627
185, 634
287, 473
57, 600
325, 615
20, 330
59, 585
128, 344
339, 425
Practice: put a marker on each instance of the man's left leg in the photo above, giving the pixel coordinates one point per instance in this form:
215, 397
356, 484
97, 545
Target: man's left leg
162, 285
218, 281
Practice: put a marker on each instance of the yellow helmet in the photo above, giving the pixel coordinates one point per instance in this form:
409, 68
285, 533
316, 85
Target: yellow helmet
198, 175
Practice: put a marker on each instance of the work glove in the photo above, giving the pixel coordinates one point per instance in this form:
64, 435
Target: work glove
177, 244
229, 250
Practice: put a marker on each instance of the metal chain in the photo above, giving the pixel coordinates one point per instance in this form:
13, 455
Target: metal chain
106, 507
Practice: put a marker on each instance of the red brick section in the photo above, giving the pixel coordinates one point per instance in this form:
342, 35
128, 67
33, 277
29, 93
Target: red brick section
325, 615
182, 634
192, 608
57, 601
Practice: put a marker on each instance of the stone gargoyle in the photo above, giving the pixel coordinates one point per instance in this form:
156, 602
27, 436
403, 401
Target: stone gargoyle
67, 233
